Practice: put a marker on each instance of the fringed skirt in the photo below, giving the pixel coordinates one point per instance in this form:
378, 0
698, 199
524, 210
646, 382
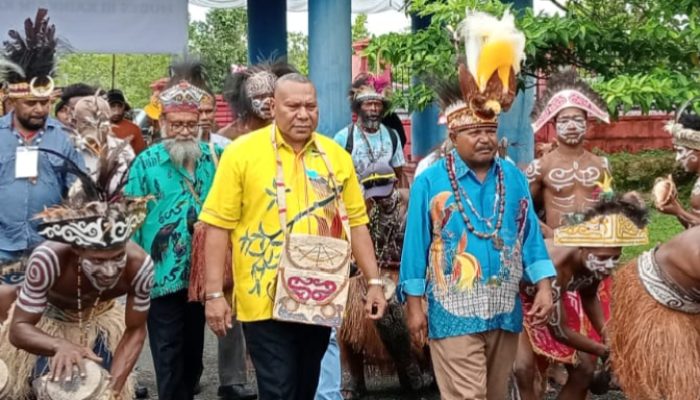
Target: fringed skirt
361, 333
655, 350
106, 328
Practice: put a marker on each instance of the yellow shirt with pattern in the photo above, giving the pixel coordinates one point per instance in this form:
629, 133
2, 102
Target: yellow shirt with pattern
243, 200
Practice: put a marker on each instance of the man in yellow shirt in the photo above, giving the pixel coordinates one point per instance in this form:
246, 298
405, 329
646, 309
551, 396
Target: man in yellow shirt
243, 204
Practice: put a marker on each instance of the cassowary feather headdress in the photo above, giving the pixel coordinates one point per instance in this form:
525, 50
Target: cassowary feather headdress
96, 216
28, 63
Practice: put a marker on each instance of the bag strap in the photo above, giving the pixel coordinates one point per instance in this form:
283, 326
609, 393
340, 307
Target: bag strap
394, 140
350, 142
282, 189
214, 156
193, 192
215, 159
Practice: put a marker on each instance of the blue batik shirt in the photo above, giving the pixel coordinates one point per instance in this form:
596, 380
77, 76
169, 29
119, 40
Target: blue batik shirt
471, 286
23, 198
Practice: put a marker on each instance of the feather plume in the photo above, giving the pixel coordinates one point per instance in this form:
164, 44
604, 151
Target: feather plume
92, 192
190, 70
690, 121
630, 205
7, 67
491, 46
35, 53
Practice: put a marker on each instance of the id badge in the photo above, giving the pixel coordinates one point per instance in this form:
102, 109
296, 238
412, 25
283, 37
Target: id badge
27, 163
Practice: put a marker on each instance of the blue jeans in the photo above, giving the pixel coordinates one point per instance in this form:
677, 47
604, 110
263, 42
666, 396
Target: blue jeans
331, 373
6, 277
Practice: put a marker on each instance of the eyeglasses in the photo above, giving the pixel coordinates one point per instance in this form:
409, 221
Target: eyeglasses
181, 126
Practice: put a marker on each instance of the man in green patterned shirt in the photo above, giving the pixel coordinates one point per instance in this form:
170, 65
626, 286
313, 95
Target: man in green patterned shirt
177, 173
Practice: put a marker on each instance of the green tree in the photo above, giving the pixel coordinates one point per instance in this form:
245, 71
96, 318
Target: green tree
220, 40
637, 53
133, 73
298, 51
359, 28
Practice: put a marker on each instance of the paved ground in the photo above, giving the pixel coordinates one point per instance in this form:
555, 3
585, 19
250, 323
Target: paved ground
381, 388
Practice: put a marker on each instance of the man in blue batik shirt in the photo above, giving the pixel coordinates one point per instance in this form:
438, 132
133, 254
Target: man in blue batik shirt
472, 237
30, 180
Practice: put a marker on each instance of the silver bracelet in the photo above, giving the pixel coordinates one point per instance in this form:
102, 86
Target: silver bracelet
375, 282
212, 296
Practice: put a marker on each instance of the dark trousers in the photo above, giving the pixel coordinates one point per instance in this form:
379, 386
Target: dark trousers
287, 358
176, 336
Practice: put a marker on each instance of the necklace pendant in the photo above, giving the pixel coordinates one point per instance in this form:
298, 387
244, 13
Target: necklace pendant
497, 242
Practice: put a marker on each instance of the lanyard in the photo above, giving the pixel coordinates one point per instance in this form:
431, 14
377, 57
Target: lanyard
281, 187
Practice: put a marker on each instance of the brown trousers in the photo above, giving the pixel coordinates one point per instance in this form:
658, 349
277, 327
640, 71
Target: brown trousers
474, 367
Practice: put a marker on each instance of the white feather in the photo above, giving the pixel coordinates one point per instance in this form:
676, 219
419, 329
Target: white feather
479, 28
6, 66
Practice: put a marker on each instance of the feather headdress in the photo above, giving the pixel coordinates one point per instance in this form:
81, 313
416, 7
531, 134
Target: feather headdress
247, 83
566, 89
494, 50
97, 216
367, 86
685, 127
28, 62
185, 89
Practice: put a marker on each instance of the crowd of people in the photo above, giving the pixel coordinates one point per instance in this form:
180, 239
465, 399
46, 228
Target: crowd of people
310, 255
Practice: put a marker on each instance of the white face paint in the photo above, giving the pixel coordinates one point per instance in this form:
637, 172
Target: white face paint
261, 107
104, 274
685, 157
601, 267
571, 130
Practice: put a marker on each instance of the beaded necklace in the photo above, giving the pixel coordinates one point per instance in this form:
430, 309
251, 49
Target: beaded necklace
83, 332
499, 204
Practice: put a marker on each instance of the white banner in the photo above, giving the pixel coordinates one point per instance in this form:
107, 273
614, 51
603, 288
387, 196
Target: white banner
358, 6
107, 26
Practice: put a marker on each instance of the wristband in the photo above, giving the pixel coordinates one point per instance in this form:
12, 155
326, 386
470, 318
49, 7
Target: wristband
375, 282
212, 296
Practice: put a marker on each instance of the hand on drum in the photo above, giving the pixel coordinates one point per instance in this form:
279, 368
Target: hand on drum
68, 355
218, 314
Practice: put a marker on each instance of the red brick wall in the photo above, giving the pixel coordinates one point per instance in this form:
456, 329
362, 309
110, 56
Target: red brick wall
630, 133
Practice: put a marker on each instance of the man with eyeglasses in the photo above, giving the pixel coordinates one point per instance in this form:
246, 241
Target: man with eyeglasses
177, 172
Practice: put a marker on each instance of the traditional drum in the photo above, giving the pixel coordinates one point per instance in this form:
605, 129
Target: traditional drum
91, 387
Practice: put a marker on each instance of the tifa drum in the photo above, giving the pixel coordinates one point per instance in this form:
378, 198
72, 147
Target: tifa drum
93, 386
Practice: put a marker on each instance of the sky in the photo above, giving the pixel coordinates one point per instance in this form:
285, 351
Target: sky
378, 24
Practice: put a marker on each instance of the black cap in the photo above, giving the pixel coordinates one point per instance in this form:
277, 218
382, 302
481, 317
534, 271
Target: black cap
117, 96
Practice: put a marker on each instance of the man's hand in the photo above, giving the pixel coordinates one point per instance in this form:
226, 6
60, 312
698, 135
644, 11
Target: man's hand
218, 314
67, 355
547, 232
417, 322
542, 305
672, 207
375, 303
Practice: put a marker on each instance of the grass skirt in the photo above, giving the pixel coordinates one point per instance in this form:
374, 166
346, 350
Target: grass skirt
360, 332
655, 351
108, 321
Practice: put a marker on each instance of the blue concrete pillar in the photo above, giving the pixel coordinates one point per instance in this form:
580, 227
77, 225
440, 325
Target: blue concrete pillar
330, 61
515, 124
426, 134
267, 30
